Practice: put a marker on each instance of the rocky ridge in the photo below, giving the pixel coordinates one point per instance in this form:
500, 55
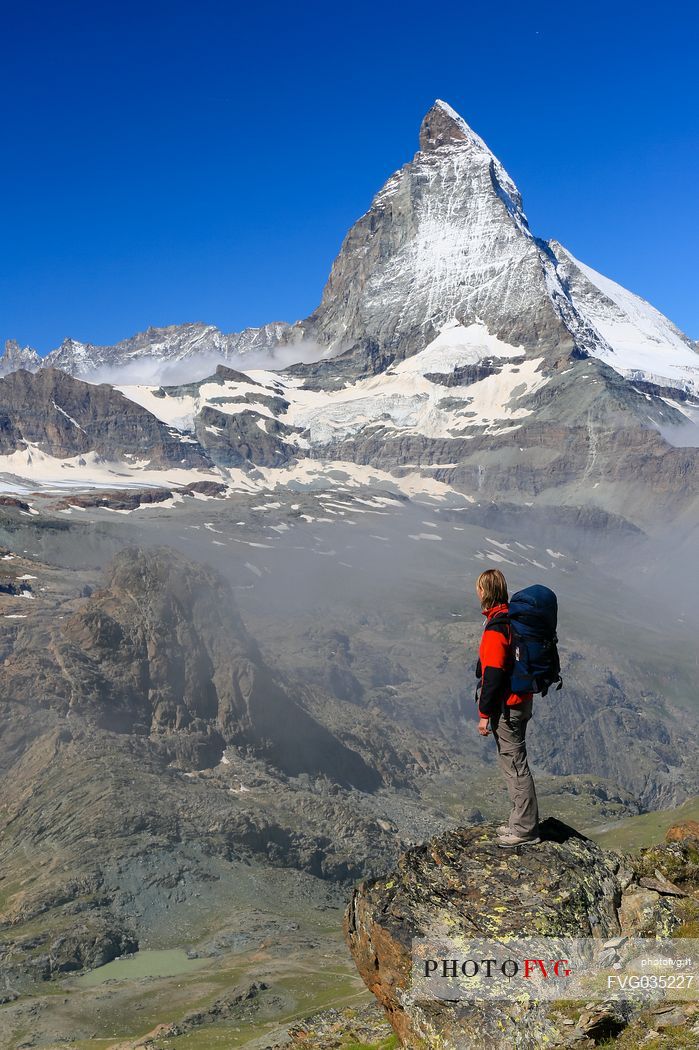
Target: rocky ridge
63, 417
161, 650
15, 357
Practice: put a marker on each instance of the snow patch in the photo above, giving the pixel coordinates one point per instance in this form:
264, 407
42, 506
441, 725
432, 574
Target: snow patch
641, 343
32, 468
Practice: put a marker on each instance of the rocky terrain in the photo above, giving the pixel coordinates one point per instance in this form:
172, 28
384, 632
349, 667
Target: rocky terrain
177, 727
459, 882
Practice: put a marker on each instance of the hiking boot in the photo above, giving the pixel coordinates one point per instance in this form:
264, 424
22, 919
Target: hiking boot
503, 829
511, 840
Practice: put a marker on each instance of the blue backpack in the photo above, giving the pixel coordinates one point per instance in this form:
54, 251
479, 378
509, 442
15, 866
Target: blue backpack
533, 616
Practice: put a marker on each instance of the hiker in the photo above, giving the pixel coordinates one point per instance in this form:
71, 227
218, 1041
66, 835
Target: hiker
504, 712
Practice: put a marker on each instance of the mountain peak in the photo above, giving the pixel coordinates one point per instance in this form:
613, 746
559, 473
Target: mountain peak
16, 357
443, 125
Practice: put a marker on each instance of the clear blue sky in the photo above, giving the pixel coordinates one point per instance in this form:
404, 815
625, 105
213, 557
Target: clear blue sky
166, 162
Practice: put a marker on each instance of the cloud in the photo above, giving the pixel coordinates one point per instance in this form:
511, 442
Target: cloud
150, 370
685, 434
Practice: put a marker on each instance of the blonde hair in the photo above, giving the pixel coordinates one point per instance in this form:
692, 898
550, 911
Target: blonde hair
493, 586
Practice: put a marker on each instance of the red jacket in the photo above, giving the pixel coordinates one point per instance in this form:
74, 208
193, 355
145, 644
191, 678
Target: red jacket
495, 666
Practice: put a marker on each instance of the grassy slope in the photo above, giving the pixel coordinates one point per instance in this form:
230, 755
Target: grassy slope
644, 830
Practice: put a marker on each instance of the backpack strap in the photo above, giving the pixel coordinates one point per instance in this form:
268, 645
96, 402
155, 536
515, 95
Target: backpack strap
500, 623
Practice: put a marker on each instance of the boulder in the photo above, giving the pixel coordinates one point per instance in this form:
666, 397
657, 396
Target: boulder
566, 886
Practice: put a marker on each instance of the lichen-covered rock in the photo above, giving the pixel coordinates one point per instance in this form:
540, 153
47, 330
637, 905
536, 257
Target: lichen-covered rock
462, 881
644, 912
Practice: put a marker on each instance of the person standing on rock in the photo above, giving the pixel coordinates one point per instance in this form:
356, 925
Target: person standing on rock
504, 712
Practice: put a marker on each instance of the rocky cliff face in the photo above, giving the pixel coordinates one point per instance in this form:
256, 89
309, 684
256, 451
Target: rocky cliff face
446, 240
462, 881
161, 649
240, 420
62, 417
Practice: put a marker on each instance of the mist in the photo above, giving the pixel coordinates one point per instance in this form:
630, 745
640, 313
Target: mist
370, 609
409, 551
156, 371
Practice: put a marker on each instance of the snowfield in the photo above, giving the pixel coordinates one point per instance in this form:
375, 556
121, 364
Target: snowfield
31, 468
401, 399
639, 342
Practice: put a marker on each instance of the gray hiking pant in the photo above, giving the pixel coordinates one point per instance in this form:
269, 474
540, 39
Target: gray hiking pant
509, 729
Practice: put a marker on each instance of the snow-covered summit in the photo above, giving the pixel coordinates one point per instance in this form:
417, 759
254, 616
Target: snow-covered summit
444, 242
160, 352
447, 240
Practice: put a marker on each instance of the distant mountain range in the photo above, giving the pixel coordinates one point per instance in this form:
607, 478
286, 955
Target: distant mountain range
445, 240
449, 340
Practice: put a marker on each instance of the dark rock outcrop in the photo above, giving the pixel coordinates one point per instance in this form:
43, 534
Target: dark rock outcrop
117, 499
91, 942
245, 439
235, 1005
13, 501
130, 499
65, 417
440, 128
162, 647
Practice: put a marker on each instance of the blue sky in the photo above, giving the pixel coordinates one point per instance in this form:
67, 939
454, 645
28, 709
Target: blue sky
166, 162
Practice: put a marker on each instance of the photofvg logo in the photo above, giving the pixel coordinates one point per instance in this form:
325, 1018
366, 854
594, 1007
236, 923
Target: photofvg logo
543, 968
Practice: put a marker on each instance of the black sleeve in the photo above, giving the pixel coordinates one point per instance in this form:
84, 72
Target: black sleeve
496, 686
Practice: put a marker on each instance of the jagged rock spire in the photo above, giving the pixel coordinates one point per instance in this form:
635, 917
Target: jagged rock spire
442, 125
16, 357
